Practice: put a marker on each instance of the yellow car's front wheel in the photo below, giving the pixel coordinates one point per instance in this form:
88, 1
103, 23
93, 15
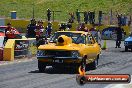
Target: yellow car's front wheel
41, 66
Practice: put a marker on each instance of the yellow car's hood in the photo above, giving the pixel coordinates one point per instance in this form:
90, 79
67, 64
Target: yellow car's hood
63, 43
53, 46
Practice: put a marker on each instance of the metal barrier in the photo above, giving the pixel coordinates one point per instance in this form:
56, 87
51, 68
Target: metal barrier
17, 48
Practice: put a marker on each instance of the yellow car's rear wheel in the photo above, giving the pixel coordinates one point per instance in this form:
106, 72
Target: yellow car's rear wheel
93, 65
83, 65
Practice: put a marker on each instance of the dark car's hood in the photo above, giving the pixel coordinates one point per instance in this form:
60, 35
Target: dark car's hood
129, 38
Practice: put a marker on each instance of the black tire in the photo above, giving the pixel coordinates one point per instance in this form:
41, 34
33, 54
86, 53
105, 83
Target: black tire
75, 69
92, 66
97, 60
82, 64
81, 80
126, 48
41, 66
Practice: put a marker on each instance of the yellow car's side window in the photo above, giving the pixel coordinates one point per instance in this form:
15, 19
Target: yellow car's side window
90, 39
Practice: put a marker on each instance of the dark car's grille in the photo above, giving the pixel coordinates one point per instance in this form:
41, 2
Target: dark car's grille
130, 42
58, 53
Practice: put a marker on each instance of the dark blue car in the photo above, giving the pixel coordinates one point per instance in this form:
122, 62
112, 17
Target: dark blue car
128, 43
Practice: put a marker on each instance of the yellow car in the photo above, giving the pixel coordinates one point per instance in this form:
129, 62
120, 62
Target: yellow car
69, 49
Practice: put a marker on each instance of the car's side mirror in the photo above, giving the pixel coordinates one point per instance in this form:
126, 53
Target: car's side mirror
56, 40
124, 33
95, 38
90, 38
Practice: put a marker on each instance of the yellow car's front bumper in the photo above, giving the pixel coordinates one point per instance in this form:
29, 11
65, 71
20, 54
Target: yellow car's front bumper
60, 60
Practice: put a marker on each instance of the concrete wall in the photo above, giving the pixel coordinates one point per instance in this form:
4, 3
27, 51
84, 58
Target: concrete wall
21, 25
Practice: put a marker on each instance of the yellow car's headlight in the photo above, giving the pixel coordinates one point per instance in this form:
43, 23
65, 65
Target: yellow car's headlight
75, 54
40, 53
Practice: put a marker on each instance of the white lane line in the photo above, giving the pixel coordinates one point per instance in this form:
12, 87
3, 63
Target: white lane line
120, 85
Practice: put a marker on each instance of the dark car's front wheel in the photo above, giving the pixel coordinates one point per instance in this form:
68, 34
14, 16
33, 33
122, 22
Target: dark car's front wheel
41, 66
126, 48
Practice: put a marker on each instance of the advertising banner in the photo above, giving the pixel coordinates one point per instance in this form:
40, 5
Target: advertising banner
24, 48
110, 33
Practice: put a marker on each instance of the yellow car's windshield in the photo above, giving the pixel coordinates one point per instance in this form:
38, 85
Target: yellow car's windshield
76, 37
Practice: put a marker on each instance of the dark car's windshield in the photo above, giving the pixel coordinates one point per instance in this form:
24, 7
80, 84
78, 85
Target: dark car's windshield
76, 37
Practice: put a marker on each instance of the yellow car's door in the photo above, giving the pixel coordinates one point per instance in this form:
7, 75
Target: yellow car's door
91, 47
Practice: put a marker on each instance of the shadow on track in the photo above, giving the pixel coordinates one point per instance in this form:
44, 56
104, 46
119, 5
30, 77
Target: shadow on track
52, 70
126, 51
